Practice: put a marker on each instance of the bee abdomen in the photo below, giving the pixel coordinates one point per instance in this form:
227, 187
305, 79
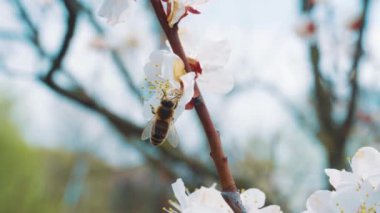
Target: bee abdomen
156, 141
159, 132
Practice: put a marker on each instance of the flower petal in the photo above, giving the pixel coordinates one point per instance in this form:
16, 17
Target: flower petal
346, 200
252, 199
217, 82
319, 202
342, 178
215, 59
203, 209
370, 197
180, 193
176, 13
114, 10
366, 163
208, 196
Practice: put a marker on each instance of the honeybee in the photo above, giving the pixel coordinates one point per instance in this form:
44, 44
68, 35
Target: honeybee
161, 127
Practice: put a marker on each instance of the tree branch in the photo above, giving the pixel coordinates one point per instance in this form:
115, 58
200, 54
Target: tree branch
347, 124
79, 96
72, 10
33, 34
229, 189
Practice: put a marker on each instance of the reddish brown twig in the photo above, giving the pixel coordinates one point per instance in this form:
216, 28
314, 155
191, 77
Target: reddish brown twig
229, 190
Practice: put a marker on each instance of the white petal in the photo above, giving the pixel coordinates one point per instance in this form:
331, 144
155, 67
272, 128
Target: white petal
172, 69
370, 197
214, 54
160, 69
319, 202
190, 42
366, 162
180, 193
177, 11
346, 200
252, 199
217, 82
188, 87
153, 68
342, 178
114, 10
196, 2
203, 209
208, 197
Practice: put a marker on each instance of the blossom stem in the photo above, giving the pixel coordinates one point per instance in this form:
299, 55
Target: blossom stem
229, 189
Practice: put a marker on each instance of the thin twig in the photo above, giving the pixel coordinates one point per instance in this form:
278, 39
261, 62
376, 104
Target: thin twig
229, 189
115, 55
71, 8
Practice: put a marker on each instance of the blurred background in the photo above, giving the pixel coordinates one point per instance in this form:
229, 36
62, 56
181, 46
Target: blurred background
306, 97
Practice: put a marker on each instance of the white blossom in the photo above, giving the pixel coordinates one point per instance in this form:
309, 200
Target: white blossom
210, 200
212, 54
165, 73
177, 9
114, 11
356, 191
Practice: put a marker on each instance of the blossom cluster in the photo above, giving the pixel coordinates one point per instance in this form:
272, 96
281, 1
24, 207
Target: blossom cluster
165, 71
210, 200
115, 11
356, 191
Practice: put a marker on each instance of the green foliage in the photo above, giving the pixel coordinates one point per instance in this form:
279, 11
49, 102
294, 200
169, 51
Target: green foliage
21, 172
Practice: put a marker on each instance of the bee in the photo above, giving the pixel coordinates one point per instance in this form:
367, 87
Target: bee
161, 127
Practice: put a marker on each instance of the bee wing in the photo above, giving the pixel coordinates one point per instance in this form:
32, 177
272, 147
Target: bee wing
173, 137
147, 130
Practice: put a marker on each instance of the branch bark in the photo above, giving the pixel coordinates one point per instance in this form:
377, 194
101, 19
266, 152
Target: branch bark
229, 189
333, 134
79, 96
72, 15
348, 122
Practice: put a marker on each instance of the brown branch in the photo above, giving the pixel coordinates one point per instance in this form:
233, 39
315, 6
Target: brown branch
33, 34
72, 10
229, 189
347, 124
127, 129
322, 92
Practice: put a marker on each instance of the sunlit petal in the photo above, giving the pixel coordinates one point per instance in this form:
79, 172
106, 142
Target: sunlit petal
252, 199
114, 10
366, 162
319, 201
216, 82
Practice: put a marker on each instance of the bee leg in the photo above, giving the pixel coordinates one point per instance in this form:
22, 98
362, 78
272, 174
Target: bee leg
153, 110
164, 93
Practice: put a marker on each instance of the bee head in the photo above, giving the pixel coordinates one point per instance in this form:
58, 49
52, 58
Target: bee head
167, 103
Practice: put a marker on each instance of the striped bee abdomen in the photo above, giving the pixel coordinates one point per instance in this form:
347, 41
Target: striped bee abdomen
159, 132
